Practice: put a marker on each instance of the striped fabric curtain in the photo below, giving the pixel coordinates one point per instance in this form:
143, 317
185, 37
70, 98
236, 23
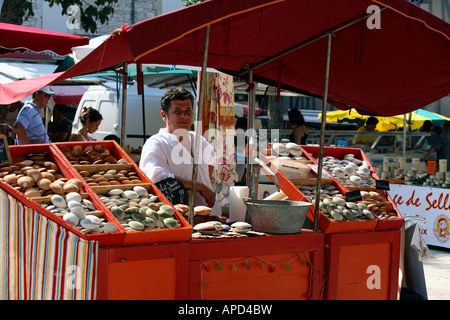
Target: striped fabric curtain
41, 260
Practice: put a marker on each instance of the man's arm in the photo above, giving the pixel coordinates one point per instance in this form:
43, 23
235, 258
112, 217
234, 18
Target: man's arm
21, 133
429, 152
204, 191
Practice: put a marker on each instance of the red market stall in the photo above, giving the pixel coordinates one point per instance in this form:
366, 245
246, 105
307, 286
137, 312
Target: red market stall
262, 61
285, 265
262, 266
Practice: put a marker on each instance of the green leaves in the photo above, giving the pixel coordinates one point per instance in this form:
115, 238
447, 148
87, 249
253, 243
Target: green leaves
190, 2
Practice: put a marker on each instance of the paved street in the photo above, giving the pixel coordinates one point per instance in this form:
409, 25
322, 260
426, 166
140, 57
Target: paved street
437, 274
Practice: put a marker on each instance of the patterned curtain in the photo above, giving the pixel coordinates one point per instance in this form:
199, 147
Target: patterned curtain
219, 126
41, 260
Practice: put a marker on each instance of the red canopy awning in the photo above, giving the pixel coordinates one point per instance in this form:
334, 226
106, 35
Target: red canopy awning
147, 36
19, 38
398, 68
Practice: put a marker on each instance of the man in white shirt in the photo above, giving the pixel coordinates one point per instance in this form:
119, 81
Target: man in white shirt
169, 154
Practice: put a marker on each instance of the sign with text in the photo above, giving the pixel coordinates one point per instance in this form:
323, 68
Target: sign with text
173, 190
431, 167
382, 185
430, 204
353, 196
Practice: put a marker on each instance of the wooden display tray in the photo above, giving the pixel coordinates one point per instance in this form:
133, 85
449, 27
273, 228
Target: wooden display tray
91, 168
182, 233
332, 226
47, 199
19, 152
325, 224
396, 181
338, 152
106, 189
84, 195
393, 223
311, 181
94, 168
361, 189
115, 150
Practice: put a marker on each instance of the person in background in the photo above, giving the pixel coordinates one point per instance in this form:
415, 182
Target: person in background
90, 121
169, 153
445, 141
368, 140
8, 115
112, 137
437, 141
300, 133
29, 126
60, 127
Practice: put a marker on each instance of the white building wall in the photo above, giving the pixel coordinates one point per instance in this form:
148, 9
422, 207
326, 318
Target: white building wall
440, 8
52, 19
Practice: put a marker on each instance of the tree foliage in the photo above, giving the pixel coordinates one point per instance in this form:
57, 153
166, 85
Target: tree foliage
189, 2
91, 13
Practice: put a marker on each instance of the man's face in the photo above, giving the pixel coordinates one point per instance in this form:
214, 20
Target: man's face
179, 115
41, 99
371, 127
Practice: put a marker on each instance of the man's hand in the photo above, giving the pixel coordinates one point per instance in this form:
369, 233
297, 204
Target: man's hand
206, 193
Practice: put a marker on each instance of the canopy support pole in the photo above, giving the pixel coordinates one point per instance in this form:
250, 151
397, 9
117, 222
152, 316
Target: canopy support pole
404, 135
322, 133
198, 128
143, 109
250, 125
124, 103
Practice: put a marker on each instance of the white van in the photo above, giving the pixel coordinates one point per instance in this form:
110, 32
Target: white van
108, 101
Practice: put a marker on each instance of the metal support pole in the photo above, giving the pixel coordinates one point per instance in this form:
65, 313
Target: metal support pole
143, 109
322, 133
198, 128
250, 127
404, 135
124, 103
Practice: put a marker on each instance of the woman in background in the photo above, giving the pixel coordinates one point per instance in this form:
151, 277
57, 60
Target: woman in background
90, 121
300, 133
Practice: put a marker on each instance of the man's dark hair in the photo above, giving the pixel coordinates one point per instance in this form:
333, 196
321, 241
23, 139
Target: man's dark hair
112, 137
371, 120
177, 93
426, 126
61, 107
